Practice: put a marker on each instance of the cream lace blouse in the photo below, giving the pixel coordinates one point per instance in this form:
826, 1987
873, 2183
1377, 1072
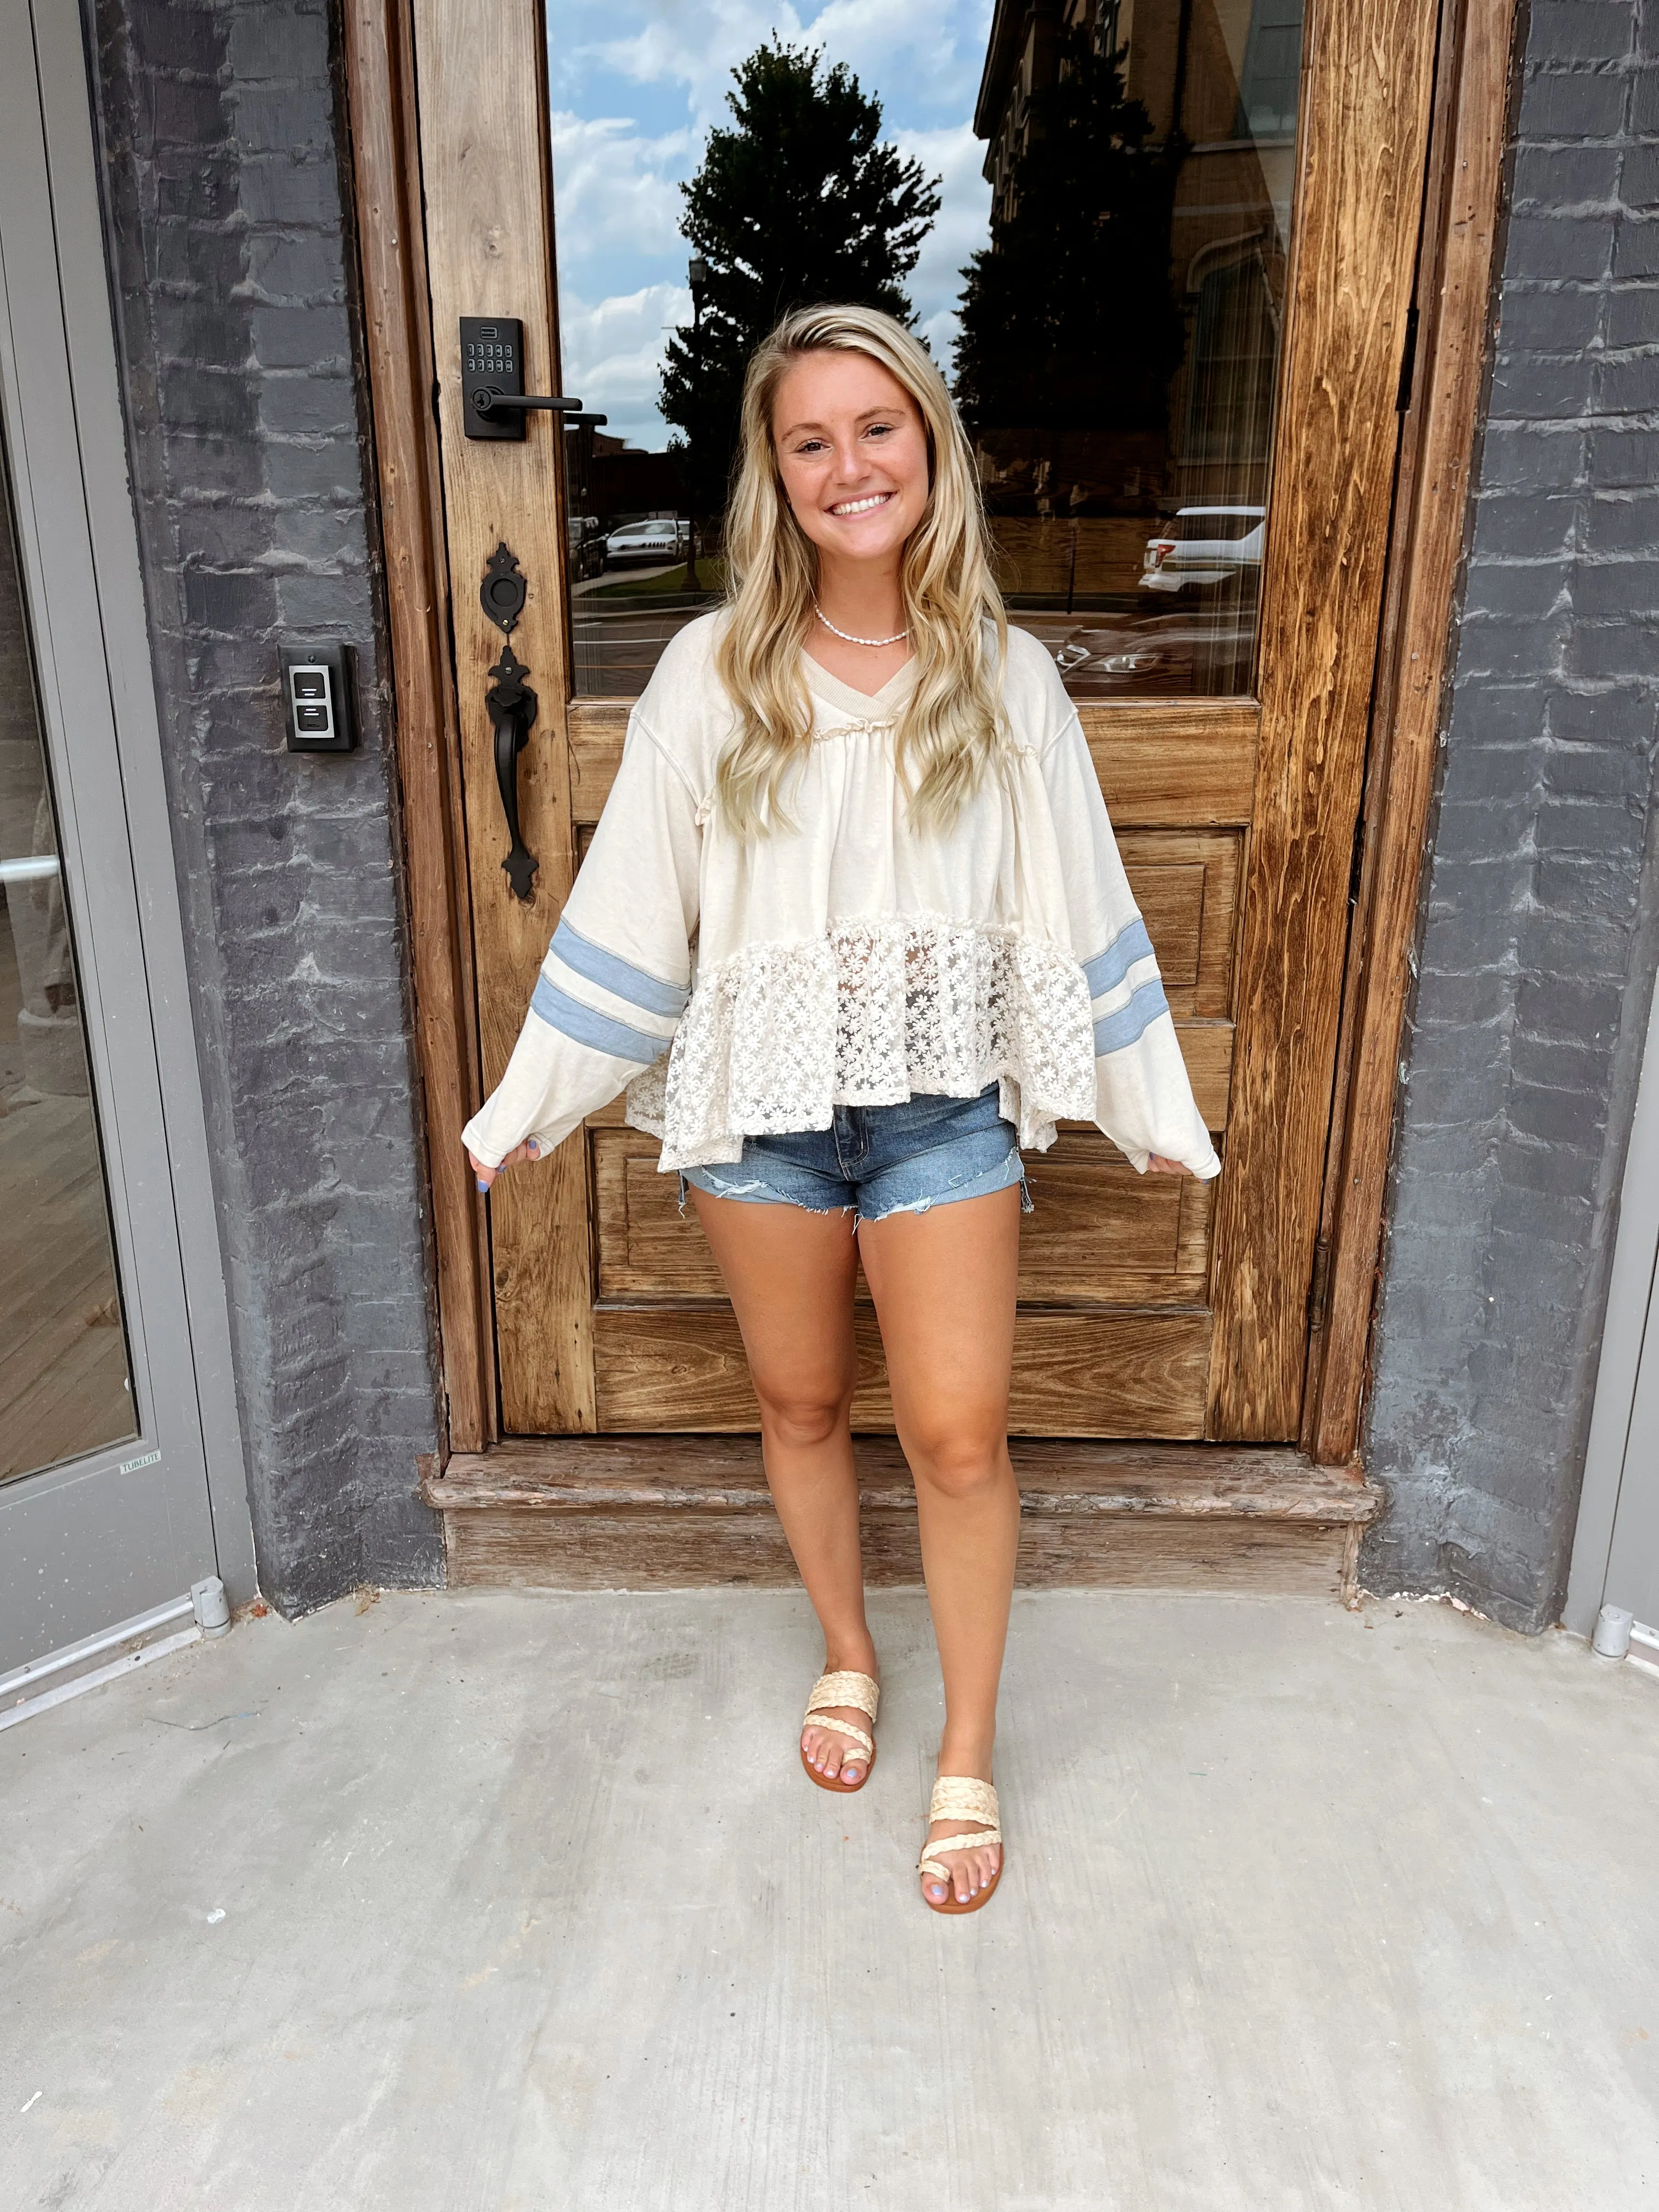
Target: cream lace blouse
737, 989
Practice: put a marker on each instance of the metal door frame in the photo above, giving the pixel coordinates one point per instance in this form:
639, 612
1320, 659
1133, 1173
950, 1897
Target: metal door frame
99, 1538
1615, 1555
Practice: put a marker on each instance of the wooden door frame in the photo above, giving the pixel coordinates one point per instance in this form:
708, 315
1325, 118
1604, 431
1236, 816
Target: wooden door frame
1424, 550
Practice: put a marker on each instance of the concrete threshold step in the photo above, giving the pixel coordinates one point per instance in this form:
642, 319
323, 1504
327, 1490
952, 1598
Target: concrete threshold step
685, 1512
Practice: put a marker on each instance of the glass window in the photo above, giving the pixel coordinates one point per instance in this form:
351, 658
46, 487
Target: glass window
65, 1385
1085, 211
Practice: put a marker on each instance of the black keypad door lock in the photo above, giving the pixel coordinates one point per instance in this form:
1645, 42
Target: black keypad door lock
494, 402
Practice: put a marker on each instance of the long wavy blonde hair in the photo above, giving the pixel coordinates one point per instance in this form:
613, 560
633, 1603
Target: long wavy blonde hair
952, 729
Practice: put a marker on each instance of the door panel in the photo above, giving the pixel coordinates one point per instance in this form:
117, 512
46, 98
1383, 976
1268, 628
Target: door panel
1075, 1374
1096, 1238
1206, 572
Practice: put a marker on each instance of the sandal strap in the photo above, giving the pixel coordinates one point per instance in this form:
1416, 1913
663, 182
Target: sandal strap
926, 1865
960, 1797
841, 1728
858, 1690
963, 1797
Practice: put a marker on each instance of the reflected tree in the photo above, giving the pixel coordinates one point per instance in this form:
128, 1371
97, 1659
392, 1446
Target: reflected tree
1069, 317
799, 201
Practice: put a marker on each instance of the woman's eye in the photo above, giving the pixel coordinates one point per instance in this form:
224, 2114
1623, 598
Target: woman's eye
879, 429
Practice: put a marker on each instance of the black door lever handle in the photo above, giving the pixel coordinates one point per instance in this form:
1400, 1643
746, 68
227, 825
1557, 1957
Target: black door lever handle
494, 402
487, 401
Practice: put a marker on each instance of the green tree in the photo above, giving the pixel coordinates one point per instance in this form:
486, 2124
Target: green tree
1068, 319
800, 202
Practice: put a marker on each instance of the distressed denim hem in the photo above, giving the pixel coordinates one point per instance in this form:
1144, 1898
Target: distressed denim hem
979, 1186
755, 1192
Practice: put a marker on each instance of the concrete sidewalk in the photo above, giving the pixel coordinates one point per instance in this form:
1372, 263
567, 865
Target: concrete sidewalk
513, 1899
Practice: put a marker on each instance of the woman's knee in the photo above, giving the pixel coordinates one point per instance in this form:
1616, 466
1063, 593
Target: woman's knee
960, 1461
800, 1419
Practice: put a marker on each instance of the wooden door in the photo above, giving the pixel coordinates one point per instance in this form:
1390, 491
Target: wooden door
1226, 699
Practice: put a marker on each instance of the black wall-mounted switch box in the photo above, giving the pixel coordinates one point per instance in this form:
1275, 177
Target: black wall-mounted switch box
317, 697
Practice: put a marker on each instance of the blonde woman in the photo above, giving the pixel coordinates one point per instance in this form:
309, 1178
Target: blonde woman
853, 931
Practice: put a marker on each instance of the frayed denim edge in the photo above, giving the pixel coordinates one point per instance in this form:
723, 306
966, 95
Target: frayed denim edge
773, 1197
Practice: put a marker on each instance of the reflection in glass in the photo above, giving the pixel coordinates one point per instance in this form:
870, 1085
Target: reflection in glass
1117, 352
64, 1381
1119, 334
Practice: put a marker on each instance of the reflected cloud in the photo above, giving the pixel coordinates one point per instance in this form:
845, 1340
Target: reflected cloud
617, 173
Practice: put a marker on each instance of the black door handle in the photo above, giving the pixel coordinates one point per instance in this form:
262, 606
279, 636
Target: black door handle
513, 707
486, 400
494, 402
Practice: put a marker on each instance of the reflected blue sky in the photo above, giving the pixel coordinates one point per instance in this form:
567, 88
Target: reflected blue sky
635, 85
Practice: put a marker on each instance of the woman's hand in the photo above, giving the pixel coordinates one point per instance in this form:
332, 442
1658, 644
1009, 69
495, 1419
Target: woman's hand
530, 1150
1156, 1162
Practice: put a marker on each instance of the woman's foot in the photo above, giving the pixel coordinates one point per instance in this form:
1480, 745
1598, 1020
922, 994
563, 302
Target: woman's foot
837, 1757
971, 1873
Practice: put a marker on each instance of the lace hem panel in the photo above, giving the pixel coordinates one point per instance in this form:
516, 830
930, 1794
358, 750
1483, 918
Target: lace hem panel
870, 1014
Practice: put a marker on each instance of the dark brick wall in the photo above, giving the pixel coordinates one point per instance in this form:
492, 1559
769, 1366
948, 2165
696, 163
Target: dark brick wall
1541, 915
223, 146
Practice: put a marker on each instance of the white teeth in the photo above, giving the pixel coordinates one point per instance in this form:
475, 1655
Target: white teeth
863, 506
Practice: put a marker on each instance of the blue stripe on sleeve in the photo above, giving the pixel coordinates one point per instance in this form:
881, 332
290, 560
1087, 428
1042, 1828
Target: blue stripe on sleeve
612, 973
1107, 968
561, 1011
1131, 1022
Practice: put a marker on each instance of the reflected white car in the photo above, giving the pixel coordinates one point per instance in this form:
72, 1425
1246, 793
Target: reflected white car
1204, 545
660, 538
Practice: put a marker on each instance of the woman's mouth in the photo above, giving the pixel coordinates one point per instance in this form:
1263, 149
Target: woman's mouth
864, 506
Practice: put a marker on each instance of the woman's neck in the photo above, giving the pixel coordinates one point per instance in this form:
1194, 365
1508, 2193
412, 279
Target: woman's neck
861, 598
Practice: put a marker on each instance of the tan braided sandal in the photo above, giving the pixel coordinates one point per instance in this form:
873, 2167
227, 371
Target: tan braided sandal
863, 1695
960, 1797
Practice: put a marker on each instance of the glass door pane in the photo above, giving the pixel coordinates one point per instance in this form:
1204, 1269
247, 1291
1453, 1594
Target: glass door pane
66, 1382
1102, 281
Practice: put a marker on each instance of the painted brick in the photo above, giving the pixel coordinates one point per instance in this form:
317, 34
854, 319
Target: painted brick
1574, 107
1579, 30
1554, 246
1549, 319
1636, 250
1633, 314
1539, 904
1562, 176
223, 186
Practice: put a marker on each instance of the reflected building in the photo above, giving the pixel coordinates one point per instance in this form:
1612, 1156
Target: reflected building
1120, 333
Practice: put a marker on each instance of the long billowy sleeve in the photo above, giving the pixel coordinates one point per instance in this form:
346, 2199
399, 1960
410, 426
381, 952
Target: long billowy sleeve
617, 973
1143, 1099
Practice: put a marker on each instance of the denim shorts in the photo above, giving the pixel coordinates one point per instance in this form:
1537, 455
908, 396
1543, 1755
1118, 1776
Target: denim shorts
873, 1161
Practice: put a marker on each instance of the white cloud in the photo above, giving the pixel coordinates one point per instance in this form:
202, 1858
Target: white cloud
944, 40
612, 354
619, 206
616, 190
954, 156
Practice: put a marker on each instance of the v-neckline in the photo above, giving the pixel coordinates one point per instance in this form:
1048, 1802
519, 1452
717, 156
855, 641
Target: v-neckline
848, 697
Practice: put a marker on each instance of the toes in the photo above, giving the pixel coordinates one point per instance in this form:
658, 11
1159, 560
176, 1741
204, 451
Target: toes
938, 1892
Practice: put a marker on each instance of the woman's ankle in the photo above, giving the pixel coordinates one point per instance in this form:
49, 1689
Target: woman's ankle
850, 1655
966, 1751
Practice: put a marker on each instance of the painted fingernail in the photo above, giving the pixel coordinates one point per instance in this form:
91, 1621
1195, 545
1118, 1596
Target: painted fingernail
532, 1148
482, 1185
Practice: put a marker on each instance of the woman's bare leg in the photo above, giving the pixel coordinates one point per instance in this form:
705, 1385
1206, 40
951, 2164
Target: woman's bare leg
791, 1275
943, 1284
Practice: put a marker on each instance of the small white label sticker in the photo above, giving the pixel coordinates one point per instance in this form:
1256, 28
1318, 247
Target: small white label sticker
132, 1466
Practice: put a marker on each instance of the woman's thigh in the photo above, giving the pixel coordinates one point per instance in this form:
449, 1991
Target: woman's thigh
790, 1275
944, 1281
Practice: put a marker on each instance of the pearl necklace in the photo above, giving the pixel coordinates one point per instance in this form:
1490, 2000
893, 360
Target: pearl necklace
846, 636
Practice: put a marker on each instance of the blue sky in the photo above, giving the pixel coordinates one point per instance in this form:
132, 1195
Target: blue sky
635, 85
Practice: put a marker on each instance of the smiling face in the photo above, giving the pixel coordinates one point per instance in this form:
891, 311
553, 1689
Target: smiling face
852, 455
